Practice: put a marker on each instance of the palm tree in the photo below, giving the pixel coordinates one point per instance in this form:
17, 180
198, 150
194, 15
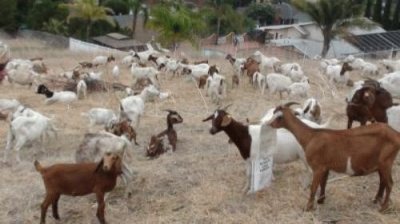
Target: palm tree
333, 17
175, 24
221, 10
138, 6
89, 11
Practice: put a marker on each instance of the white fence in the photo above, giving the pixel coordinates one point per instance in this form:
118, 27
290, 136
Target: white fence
81, 46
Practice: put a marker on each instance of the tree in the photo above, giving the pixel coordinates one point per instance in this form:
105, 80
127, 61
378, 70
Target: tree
175, 24
262, 13
333, 17
42, 11
396, 19
378, 11
8, 11
56, 26
118, 6
138, 6
368, 8
387, 12
88, 11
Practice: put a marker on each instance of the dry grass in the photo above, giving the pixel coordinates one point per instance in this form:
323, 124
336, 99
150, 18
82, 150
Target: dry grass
201, 182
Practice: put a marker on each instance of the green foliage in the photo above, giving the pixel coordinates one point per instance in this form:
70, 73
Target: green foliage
88, 12
55, 26
175, 24
8, 10
42, 11
118, 6
263, 13
334, 17
396, 15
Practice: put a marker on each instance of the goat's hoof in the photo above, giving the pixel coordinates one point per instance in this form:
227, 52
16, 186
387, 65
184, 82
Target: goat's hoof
309, 207
321, 199
384, 208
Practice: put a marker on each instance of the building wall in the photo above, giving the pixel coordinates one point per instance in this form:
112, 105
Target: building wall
314, 32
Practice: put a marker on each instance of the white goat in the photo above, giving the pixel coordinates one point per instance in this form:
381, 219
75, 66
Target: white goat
311, 110
391, 83
266, 63
102, 60
10, 105
21, 72
216, 87
337, 74
299, 89
261, 81
53, 97
27, 127
391, 65
196, 71
132, 107
145, 72
100, 116
115, 72
81, 89
278, 83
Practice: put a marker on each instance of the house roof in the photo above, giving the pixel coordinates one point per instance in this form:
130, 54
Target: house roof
285, 26
312, 48
117, 41
376, 41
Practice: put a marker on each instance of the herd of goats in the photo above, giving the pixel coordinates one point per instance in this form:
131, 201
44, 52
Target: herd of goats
300, 134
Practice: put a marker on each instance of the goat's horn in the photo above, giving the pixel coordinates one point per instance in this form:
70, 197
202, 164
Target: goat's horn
227, 106
290, 104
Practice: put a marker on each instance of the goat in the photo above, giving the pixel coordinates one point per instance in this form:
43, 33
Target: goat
391, 83
9, 104
86, 64
115, 72
266, 62
339, 73
260, 80
251, 66
391, 65
132, 107
157, 145
145, 72
311, 111
357, 152
237, 63
278, 83
369, 103
26, 129
287, 148
100, 116
102, 60
21, 72
61, 96
78, 180
122, 128
300, 89
81, 89
216, 87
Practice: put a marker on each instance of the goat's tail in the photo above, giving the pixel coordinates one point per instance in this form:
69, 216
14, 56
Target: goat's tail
38, 167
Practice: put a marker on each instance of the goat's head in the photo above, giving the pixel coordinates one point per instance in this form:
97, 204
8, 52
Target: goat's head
110, 58
213, 69
152, 58
111, 161
220, 120
346, 67
277, 120
228, 56
186, 71
173, 117
42, 89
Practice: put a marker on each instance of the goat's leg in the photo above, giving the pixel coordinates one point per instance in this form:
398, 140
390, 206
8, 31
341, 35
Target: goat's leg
381, 189
10, 139
324, 179
47, 201
248, 176
349, 123
100, 207
317, 175
388, 180
18, 145
54, 207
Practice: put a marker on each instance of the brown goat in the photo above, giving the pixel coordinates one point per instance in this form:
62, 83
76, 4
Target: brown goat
346, 67
369, 104
357, 152
230, 58
235, 80
85, 64
123, 128
200, 62
156, 145
202, 81
78, 180
251, 66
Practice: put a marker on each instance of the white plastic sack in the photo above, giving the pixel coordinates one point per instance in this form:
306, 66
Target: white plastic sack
263, 144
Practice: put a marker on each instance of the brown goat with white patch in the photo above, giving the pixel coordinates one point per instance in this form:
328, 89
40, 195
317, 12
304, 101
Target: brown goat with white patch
156, 145
78, 180
357, 152
251, 66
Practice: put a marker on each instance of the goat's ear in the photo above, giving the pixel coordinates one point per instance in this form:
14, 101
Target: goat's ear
226, 120
208, 118
99, 166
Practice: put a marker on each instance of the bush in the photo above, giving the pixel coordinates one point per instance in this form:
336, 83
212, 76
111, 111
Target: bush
8, 12
42, 11
263, 13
